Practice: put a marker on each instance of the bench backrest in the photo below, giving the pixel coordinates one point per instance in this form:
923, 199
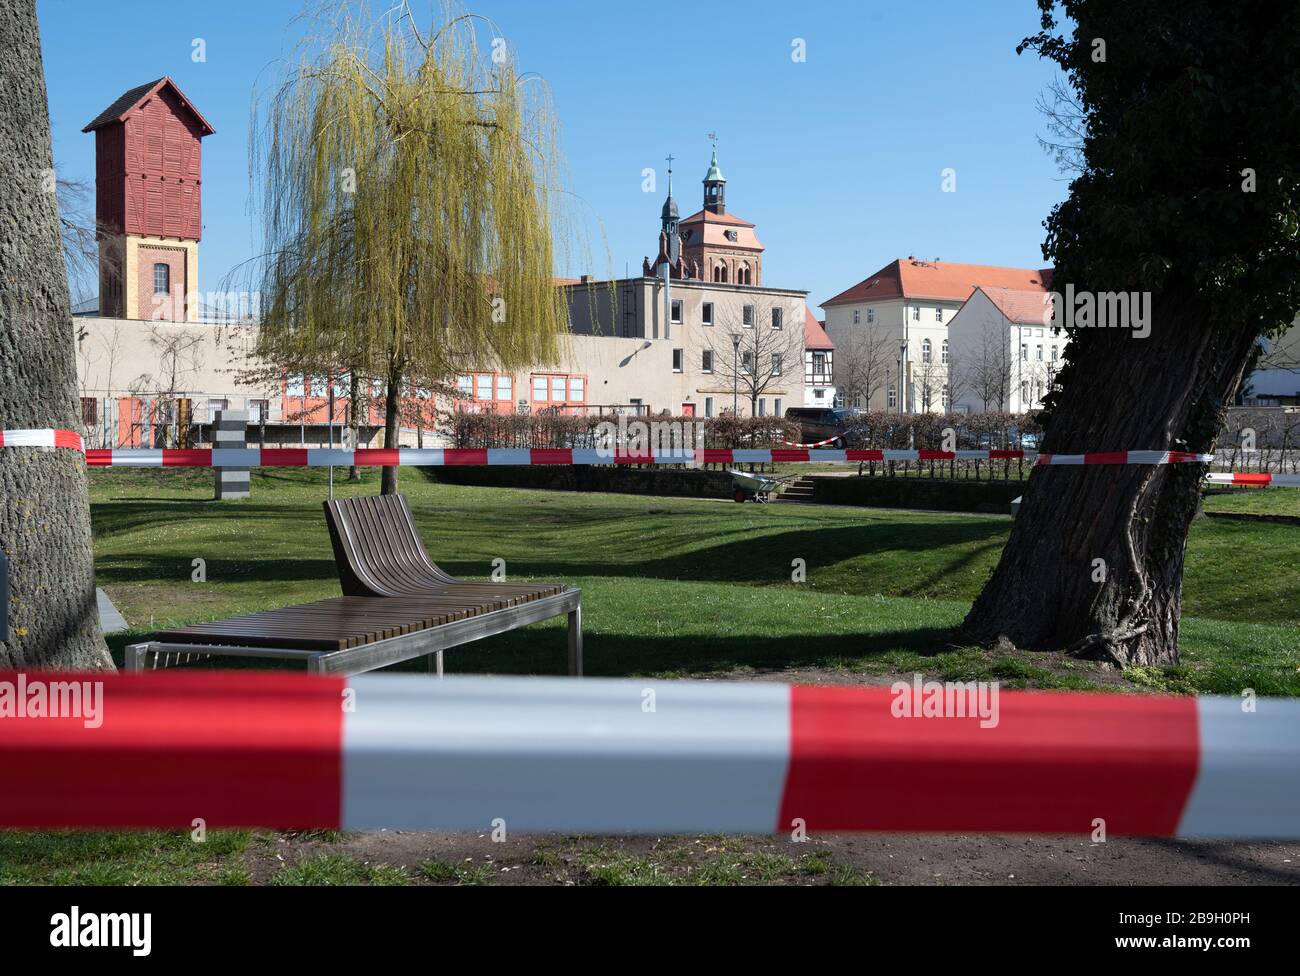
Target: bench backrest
377, 548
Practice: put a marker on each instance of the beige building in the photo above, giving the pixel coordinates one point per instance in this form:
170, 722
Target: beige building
895, 323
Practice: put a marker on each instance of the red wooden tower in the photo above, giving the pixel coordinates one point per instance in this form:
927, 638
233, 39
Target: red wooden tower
148, 203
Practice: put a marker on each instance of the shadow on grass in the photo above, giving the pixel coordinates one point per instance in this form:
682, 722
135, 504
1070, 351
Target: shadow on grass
543, 651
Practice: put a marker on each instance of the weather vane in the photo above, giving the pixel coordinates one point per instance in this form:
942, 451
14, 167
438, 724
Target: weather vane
713, 138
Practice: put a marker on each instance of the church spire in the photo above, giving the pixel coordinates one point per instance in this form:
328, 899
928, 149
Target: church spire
715, 185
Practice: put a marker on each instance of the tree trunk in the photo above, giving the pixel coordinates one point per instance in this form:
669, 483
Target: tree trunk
1094, 564
44, 506
354, 421
392, 427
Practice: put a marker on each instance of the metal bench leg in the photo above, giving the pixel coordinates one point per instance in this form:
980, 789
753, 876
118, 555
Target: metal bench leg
435, 663
133, 661
575, 641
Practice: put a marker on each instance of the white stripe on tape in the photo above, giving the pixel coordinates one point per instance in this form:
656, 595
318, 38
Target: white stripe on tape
428, 456
320, 457
509, 455
1248, 785
595, 755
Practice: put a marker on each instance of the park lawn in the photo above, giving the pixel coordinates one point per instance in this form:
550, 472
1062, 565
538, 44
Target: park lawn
683, 587
672, 588
1255, 501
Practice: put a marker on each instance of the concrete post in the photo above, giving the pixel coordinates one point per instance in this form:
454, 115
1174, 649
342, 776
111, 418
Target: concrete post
230, 430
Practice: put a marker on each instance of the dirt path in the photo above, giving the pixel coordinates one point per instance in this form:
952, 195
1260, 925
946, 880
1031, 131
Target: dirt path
907, 859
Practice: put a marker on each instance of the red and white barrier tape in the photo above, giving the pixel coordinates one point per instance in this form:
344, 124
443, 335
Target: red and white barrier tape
629, 756
829, 440
1261, 480
311, 457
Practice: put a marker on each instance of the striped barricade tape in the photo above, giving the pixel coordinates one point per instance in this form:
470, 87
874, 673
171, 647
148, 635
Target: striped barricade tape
829, 440
440, 457
1261, 480
629, 756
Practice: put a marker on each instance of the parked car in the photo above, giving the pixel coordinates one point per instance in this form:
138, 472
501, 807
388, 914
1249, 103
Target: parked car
820, 423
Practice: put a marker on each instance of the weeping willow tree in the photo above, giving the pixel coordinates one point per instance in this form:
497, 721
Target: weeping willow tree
405, 180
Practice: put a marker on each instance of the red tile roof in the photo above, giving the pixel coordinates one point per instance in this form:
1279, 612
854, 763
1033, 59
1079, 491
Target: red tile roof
938, 280
814, 332
1020, 307
708, 217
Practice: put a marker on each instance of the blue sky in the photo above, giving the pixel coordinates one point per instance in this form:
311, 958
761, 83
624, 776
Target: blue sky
837, 159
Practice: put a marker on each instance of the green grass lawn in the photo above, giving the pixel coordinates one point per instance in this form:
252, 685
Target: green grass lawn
671, 588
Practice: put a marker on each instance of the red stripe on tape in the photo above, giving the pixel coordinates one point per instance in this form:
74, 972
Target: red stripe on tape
635, 457
935, 455
550, 455
464, 455
196, 457
67, 438
99, 458
376, 456
235, 750
284, 457
861, 454
1252, 479
998, 455
1053, 764
1183, 457
781, 454
717, 455
1106, 457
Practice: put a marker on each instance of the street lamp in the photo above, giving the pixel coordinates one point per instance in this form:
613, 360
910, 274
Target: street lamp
735, 373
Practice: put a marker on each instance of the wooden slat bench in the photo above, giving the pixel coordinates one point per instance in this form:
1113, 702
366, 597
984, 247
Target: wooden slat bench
398, 605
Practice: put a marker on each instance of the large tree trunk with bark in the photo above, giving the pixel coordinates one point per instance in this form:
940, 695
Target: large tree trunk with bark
392, 427
1094, 564
44, 506
354, 421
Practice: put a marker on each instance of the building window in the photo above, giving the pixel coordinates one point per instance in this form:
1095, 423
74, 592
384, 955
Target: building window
777, 320
762, 407
871, 315
539, 388
747, 316
927, 352
259, 411
747, 362
89, 411
505, 387
558, 387
857, 316
706, 313
1054, 353
577, 388
483, 386
938, 314
720, 273
925, 397
776, 364
945, 398
776, 407
944, 352
677, 311
1024, 391
891, 397
819, 364
916, 314
677, 360
706, 361
743, 275
162, 279
465, 386
1040, 352
708, 406
1024, 353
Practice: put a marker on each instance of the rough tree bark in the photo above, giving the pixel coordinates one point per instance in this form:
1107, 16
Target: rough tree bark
392, 427
44, 506
1048, 591
354, 421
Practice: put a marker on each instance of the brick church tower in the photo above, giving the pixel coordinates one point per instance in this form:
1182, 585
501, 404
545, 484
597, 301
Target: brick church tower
148, 203
723, 246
